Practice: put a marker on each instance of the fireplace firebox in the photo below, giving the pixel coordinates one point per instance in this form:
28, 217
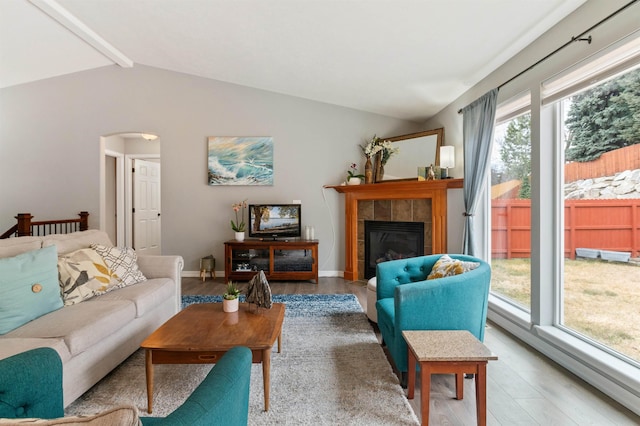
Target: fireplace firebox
385, 241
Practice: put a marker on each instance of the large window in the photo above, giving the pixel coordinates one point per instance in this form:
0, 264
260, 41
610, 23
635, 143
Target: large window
600, 140
564, 222
511, 203
596, 105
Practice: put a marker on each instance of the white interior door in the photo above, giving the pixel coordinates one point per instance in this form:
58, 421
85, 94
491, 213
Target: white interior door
146, 207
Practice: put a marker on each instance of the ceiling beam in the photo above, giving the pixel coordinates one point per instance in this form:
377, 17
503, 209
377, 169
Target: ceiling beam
73, 24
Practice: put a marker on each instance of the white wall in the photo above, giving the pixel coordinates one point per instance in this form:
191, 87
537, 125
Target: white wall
49, 151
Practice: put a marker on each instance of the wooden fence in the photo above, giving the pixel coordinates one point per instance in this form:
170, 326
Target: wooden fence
609, 163
597, 224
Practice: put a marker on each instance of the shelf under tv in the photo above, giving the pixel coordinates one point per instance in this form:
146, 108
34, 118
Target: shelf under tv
281, 260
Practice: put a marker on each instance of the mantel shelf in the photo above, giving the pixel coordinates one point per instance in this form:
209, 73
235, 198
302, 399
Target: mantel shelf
408, 189
392, 186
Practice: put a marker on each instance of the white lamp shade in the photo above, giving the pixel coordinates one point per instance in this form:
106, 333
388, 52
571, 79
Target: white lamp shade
447, 157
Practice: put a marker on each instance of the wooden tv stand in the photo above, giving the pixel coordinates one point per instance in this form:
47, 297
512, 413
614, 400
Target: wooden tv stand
284, 260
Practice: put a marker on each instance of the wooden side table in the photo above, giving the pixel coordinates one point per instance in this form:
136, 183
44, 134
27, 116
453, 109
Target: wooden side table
441, 352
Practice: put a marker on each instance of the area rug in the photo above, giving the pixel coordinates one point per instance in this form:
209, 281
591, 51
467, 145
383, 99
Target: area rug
331, 371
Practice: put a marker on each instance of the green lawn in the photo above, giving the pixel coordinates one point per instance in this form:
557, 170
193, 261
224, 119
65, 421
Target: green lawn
601, 299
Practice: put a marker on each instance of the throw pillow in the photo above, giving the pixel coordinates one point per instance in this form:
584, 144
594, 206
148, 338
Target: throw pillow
123, 261
121, 416
447, 267
28, 287
84, 274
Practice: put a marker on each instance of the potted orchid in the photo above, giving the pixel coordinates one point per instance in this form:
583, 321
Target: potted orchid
353, 178
239, 226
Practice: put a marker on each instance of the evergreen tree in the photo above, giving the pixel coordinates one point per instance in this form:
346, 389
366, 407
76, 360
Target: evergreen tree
604, 118
516, 153
525, 188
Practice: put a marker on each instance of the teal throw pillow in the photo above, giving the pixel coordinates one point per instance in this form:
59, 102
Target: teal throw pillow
28, 287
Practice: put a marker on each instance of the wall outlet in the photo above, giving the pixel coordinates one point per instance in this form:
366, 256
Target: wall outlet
297, 202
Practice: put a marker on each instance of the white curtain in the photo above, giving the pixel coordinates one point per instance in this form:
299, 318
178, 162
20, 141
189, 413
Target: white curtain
478, 123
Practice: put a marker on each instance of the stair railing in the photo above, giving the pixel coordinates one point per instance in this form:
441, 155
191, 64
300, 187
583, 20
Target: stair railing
26, 226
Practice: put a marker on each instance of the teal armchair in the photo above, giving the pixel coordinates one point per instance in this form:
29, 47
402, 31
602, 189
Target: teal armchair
31, 386
406, 300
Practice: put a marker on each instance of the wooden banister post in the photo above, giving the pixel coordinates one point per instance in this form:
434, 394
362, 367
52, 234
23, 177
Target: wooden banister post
84, 221
24, 224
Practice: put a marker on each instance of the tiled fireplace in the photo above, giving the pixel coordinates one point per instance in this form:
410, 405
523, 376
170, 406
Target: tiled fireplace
403, 200
402, 213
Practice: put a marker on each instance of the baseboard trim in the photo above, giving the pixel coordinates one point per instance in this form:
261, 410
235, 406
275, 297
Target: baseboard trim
196, 274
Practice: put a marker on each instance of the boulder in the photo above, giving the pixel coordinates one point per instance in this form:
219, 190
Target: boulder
624, 188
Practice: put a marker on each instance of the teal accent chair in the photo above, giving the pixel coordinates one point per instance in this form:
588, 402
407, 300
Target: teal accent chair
406, 300
31, 386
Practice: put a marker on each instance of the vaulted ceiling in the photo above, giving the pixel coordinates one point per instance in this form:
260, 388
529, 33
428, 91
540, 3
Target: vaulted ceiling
401, 58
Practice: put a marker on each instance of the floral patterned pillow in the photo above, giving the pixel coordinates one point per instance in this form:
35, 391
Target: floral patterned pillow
448, 267
83, 274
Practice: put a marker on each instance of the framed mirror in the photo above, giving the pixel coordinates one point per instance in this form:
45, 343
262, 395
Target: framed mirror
416, 150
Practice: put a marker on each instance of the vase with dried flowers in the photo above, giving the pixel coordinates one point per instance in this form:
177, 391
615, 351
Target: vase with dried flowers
377, 152
368, 171
370, 150
239, 226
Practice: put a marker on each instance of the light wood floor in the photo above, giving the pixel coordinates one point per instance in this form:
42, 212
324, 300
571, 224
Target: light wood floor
523, 387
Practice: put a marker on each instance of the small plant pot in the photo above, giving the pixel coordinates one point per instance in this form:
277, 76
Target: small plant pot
230, 305
239, 236
354, 181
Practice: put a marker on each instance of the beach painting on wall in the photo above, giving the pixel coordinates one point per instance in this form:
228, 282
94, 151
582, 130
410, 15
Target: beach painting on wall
239, 160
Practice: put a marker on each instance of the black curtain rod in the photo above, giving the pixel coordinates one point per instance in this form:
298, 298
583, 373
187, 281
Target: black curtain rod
579, 37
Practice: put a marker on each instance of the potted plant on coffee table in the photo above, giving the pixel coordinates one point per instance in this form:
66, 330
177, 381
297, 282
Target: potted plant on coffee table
230, 297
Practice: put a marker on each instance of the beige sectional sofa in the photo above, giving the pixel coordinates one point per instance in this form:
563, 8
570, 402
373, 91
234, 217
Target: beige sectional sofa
94, 336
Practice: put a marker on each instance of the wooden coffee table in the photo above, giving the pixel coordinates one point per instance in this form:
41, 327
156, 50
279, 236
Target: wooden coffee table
202, 333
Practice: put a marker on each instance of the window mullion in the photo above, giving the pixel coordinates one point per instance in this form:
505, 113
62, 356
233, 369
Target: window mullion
543, 237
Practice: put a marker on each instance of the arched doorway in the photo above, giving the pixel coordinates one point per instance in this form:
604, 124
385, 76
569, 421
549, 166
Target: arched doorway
130, 201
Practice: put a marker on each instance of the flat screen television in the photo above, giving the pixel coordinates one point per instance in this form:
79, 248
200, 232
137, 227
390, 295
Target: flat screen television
275, 220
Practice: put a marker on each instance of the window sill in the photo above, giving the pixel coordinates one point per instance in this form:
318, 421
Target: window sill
623, 373
507, 310
613, 376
